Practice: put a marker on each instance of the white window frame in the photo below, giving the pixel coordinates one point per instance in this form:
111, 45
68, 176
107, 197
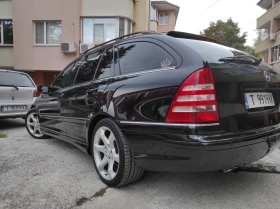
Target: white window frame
115, 24
2, 33
272, 54
104, 31
45, 33
159, 20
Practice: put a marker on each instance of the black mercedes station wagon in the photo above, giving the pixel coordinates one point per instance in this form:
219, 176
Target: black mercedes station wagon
162, 102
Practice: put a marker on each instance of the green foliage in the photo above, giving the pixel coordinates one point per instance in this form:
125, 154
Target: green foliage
259, 35
81, 200
228, 33
100, 193
3, 135
251, 50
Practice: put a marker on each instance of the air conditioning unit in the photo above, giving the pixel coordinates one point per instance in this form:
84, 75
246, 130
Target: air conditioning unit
85, 47
68, 47
272, 36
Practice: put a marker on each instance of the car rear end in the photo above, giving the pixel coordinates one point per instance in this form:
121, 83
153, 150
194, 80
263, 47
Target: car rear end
224, 114
17, 93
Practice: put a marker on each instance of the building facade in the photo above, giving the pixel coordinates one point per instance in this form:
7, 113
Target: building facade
269, 22
41, 37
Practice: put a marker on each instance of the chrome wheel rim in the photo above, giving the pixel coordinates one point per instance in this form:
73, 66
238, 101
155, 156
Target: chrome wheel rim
33, 125
106, 153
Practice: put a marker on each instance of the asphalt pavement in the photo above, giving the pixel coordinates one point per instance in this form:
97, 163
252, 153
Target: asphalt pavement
46, 174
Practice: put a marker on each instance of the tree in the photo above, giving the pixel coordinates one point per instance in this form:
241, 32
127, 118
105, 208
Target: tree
259, 35
227, 33
250, 50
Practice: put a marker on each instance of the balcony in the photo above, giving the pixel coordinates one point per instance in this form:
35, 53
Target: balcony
263, 46
263, 22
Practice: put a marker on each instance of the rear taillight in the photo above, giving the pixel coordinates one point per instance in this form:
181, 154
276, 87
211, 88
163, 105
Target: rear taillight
195, 101
36, 93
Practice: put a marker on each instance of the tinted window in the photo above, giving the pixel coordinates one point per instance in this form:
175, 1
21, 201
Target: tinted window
212, 52
105, 65
141, 56
88, 68
66, 77
15, 79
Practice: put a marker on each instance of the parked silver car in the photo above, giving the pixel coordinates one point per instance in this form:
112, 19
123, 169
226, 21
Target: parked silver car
17, 93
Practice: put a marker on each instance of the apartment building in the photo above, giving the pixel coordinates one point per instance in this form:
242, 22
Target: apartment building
163, 16
269, 22
41, 37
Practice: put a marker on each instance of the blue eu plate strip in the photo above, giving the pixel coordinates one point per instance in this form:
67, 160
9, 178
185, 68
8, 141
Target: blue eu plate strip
246, 102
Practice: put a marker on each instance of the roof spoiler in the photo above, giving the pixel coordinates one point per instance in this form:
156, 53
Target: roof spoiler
176, 34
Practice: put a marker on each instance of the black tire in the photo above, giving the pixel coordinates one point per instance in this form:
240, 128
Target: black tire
33, 111
128, 171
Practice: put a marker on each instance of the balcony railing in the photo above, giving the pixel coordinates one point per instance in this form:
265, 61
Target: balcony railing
264, 45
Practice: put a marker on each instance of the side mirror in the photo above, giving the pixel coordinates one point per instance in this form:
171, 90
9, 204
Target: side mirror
44, 89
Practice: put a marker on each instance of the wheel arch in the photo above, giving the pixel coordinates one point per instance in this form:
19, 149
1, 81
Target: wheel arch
91, 125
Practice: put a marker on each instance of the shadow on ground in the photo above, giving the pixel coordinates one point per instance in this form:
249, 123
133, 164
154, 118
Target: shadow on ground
8, 124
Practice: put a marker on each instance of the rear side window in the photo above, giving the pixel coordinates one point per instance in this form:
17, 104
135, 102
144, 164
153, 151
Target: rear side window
88, 68
15, 79
212, 52
140, 56
65, 79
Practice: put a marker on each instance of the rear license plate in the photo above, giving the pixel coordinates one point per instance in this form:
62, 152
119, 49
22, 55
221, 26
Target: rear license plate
16, 108
258, 99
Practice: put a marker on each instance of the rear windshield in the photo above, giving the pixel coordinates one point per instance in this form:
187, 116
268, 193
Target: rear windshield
15, 79
212, 52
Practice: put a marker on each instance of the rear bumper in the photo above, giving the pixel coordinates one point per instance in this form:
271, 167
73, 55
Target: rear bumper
188, 153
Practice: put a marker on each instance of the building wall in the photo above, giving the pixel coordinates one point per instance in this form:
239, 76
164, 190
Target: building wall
6, 52
30, 57
154, 25
107, 8
6, 57
141, 15
37, 77
171, 23
275, 25
5, 9
263, 20
270, 22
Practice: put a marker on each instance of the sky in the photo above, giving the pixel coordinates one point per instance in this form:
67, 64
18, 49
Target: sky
195, 15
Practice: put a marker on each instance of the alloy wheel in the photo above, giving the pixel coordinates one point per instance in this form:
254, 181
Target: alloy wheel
33, 124
106, 153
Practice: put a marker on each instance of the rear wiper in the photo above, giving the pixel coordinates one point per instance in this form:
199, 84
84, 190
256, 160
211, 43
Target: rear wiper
242, 59
10, 86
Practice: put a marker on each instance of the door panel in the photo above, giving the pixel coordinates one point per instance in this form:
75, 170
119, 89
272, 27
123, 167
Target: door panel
75, 127
51, 113
87, 104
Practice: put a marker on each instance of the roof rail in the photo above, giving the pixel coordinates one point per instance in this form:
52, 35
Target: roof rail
120, 38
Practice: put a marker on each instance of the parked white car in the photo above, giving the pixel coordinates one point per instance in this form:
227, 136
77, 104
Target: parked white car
17, 93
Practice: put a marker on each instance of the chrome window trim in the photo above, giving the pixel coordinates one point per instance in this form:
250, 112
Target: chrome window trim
118, 76
146, 71
168, 124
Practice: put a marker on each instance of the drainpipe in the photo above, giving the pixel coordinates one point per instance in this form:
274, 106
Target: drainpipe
149, 20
